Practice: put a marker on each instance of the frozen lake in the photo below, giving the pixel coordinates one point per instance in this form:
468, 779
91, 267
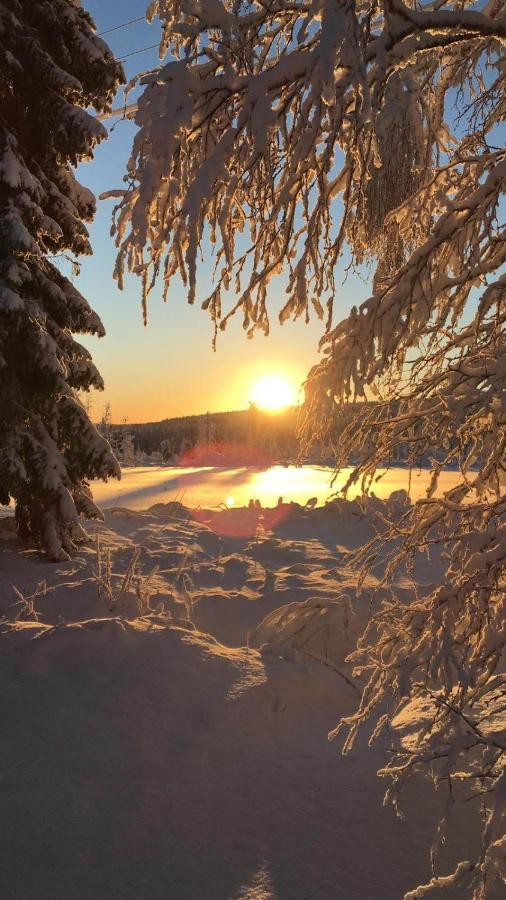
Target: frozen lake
208, 487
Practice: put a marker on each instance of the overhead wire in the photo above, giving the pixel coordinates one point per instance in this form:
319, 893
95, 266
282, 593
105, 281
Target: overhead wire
121, 25
125, 25
135, 52
133, 106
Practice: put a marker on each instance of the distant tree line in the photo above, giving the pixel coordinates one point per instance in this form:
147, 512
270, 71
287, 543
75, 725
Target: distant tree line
238, 436
250, 436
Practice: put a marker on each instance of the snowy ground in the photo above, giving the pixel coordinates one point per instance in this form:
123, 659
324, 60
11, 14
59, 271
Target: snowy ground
150, 758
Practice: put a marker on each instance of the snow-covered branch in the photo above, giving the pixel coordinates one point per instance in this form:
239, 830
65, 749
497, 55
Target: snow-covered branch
287, 132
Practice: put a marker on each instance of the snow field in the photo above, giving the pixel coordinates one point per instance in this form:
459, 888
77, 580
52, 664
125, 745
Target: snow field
146, 758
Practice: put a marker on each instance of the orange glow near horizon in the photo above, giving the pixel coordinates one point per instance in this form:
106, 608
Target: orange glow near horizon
274, 393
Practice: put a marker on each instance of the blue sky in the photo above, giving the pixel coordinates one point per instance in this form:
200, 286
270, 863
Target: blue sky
169, 368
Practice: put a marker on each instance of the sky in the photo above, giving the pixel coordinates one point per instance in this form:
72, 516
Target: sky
169, 368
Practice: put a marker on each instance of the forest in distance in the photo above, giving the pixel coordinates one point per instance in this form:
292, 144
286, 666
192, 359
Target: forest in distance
251, 436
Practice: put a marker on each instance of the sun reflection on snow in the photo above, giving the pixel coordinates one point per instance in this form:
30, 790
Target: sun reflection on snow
290, 483
260, 887
213, 488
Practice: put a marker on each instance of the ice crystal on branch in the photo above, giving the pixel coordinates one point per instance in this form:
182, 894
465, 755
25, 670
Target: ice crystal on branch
53, 68
290, 130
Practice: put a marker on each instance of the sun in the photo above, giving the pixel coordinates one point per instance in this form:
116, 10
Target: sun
273, 393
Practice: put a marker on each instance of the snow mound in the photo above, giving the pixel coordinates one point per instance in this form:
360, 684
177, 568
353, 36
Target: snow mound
325, 630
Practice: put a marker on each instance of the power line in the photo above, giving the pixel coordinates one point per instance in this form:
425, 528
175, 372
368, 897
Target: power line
135, 52
122, 25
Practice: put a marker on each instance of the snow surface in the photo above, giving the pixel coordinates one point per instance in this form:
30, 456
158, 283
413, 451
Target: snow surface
207, 487
143, 759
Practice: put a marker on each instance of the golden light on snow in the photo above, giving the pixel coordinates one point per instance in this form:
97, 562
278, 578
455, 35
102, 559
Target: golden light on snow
274, 392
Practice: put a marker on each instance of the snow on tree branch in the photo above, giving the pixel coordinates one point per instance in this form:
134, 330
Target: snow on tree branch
266, 118
287, 132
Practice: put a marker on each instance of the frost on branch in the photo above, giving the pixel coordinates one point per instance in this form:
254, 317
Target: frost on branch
53, 67
287, 131
268, 115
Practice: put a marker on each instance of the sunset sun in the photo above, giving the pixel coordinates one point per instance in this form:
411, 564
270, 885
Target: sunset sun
274, 392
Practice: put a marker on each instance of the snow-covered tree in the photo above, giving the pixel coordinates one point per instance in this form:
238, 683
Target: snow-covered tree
104, 427
53, 67
288, 131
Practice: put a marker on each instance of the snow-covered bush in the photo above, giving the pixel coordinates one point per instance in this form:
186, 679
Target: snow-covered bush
288, 131
53, 68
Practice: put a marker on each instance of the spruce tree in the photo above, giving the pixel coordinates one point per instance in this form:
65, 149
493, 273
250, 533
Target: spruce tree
53, 68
